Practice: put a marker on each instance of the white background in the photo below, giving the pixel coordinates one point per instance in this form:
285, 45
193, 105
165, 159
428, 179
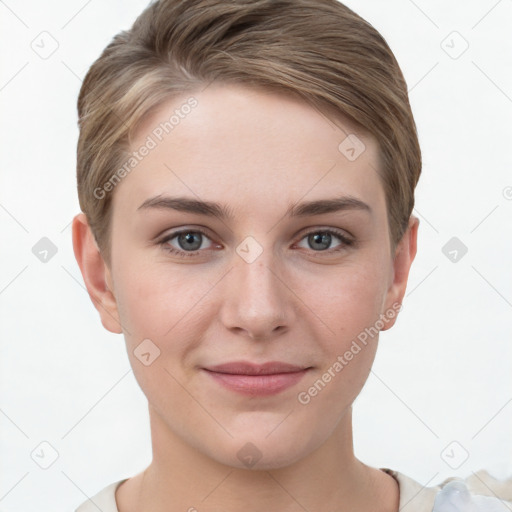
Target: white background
442, 374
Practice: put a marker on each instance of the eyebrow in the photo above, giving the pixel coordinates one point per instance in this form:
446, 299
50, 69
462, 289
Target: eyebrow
212, 209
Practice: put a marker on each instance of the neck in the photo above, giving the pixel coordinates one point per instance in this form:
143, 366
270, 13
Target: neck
180, 478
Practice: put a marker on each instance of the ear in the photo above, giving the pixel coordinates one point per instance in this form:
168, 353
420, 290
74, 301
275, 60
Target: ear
96, 274
402, 261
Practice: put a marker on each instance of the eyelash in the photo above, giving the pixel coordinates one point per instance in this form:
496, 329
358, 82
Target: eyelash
346, 242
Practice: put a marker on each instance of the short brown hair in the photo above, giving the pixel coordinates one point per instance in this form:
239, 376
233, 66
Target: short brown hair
319, 50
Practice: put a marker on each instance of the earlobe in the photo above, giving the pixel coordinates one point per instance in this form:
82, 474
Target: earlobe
403, 258
95, 273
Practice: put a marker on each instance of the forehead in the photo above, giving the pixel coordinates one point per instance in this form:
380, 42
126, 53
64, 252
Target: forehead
250, 143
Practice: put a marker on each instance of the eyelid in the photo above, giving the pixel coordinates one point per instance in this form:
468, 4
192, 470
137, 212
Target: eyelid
173, 234
346, 239
325, 229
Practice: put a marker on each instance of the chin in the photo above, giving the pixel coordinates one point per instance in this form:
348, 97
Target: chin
264, 452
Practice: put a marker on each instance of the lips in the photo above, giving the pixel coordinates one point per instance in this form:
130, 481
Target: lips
257, 379
244, 368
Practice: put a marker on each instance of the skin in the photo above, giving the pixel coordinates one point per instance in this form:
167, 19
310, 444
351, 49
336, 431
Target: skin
258, 152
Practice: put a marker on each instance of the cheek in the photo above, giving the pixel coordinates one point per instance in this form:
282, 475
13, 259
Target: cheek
350, 307
348, 354
350, 302
162, 313
156, 302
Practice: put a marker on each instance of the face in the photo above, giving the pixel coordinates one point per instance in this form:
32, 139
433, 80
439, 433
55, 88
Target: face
267, 281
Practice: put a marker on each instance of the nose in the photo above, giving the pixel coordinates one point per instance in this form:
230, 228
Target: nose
257, 301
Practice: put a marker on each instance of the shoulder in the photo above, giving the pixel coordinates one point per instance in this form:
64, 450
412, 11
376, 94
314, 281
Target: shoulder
479, 492
476, 493
105, 500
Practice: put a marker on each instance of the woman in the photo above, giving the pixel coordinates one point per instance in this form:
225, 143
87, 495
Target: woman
246, 173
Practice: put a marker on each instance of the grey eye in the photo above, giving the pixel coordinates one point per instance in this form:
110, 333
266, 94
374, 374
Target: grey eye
320, 241
190, 240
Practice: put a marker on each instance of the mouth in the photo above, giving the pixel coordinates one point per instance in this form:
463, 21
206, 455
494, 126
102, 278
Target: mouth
257, 379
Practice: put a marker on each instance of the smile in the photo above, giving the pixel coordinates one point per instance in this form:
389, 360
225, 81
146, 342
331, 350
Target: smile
257, 380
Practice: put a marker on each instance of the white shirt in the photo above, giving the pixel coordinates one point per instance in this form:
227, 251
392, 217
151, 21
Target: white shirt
414, 497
